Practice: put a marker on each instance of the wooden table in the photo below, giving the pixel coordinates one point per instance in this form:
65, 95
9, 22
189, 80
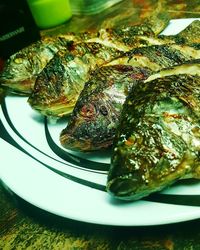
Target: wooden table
23, 226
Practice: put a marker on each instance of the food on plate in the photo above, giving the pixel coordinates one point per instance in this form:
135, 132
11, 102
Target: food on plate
58, 86
93, 121
22, 68
95, 116
158, 137
56, 95
128, 87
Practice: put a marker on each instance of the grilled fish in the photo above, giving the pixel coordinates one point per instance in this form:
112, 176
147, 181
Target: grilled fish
161, 56
93, 121
158, 137
22, 68
96, 113
58, 86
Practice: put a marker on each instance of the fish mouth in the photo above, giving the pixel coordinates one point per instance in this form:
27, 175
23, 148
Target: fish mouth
82, 145
126, 188
70, 143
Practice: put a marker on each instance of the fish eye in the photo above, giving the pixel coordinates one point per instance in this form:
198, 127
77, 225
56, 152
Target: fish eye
18, 60
103, 110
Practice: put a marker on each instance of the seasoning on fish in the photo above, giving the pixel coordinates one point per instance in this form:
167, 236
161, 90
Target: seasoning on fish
89, 128
158, 137
58, 86
22, 68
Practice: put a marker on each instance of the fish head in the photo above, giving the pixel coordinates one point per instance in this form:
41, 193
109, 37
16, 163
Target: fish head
92, 127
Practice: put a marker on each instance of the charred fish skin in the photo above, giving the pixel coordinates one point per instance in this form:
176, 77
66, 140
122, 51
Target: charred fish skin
93, 122
157, 141
58, 86
22, 68
157, 57
163, 56
98, 131
147, 34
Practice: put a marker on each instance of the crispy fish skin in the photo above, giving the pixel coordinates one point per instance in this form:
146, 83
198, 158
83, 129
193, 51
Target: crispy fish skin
157, 57
93, 122
147, 34
157, 141
89, 129
22, 68
58, 86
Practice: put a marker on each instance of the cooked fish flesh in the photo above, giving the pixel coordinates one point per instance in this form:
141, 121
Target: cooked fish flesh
88, 127
22, 68
58, 86
158, 137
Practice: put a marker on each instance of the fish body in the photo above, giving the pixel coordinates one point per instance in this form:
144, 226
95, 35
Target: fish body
22, 68
90, 129
157, 57
58, 86
158, 138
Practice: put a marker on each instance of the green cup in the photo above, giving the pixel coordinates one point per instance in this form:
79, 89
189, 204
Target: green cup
50, 13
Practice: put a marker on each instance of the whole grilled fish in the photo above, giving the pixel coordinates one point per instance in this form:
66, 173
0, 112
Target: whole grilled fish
22, 68
158, 137
58, 86
89, 128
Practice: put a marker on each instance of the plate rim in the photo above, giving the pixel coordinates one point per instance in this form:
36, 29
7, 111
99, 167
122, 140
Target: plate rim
191, 213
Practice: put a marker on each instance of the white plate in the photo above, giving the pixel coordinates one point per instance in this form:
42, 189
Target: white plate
73, 185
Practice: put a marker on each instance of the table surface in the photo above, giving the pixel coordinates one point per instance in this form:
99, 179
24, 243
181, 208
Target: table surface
23, 226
